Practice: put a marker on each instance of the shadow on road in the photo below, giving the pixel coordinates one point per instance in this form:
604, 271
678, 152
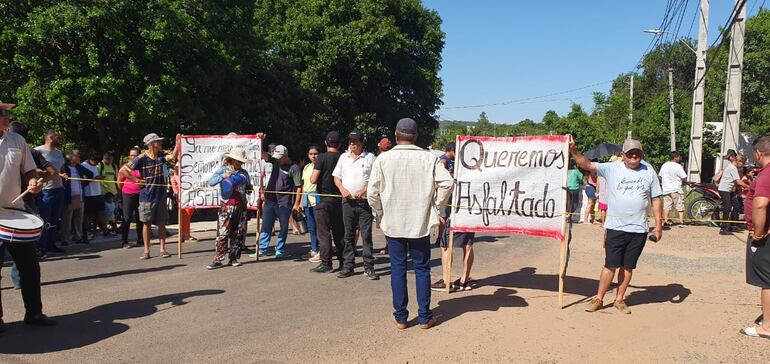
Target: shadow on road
111, 274
88, 327
528, 278
455, 307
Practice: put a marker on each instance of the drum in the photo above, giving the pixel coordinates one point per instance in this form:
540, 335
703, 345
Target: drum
19, 226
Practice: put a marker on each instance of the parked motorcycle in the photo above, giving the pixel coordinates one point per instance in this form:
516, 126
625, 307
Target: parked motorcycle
707, 204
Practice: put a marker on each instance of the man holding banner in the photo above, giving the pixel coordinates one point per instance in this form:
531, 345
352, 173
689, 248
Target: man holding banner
631, 186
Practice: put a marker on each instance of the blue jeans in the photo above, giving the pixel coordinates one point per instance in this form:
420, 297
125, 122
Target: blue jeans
419, 249
310, 219
50, 205
270, 212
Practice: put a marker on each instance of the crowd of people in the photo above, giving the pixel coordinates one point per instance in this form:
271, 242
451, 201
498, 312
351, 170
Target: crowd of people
341, 197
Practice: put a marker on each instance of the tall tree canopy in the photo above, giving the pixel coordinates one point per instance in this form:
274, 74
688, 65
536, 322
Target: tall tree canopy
105, 72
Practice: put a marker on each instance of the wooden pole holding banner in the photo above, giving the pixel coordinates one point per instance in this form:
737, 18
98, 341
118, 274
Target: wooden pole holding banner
448, 266
177, 170
567, 221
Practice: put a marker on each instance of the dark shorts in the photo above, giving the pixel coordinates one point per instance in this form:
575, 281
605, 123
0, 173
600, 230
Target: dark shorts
758, 263
153, 212
93, 204
590, 192
460, 238
622, 249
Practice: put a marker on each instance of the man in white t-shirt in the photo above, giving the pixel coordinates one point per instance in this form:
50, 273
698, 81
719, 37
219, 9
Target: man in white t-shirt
351, 175
672, 175
16, 168
631, 187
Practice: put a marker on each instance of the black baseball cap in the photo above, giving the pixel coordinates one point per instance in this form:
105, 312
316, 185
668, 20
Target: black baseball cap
407, 126
333, 137
355, 135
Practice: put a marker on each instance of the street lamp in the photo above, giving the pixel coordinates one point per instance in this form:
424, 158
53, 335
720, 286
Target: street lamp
661, 31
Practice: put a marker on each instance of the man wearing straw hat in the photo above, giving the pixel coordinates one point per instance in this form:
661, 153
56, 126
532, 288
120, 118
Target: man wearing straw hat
152, 196
16, 160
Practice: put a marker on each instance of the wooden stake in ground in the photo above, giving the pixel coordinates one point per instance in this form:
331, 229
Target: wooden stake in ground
178, 169
448, 266
564, 242
259, 229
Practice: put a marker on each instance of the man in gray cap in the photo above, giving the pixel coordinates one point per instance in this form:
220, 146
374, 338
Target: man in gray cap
631, 186
407, 189
152, 196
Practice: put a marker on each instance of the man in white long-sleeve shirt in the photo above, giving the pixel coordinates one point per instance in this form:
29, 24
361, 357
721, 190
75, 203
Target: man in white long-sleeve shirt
407, 187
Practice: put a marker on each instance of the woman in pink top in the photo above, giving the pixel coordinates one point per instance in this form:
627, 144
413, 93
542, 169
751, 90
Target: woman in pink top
130, 192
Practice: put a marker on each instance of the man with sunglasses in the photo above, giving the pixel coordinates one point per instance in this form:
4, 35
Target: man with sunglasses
631, 186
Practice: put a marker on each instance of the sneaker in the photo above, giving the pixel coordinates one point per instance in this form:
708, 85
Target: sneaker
235, 263
214, 265
322, 268
371, 274
595, 305
279, 255
344, 273
439, 286
315, 259
39, 320
461, 286
429, 324
622, 307
126, 245
725, 232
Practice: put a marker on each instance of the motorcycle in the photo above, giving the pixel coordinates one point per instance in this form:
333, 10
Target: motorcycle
707, 205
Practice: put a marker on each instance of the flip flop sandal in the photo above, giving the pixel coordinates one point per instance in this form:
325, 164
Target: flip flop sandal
752, 332
165, 255
145, 256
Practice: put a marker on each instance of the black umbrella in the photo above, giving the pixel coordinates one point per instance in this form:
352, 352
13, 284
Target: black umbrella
603, 150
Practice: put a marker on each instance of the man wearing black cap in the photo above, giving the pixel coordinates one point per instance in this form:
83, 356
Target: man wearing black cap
328, 210
351, 175
407, 188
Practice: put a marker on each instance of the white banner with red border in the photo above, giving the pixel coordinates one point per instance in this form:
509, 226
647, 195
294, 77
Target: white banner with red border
201, 155
511, 185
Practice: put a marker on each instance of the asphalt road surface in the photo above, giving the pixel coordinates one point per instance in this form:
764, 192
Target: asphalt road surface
688, 300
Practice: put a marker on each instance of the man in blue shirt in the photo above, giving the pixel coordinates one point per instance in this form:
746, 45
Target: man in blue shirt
151, 165
631, 186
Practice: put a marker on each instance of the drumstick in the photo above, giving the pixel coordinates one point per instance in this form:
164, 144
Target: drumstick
39, 180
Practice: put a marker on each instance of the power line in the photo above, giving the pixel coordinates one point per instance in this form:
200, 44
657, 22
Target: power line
516, 101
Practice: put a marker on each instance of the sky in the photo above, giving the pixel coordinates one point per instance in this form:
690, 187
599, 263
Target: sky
501, 51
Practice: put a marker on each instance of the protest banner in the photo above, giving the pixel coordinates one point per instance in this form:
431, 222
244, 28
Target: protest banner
511, 185
201, 155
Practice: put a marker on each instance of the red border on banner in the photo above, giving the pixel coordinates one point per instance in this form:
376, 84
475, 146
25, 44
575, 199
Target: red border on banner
206, 136
553, 234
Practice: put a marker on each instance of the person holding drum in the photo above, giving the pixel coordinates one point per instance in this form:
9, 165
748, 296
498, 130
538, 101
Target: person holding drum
234, 183
19, 230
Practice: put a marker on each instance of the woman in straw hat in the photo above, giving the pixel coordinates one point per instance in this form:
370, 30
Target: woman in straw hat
234, 184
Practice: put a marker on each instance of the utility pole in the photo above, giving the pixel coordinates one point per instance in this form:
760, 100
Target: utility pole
630, 106
672, 125
696, 131
731, 134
